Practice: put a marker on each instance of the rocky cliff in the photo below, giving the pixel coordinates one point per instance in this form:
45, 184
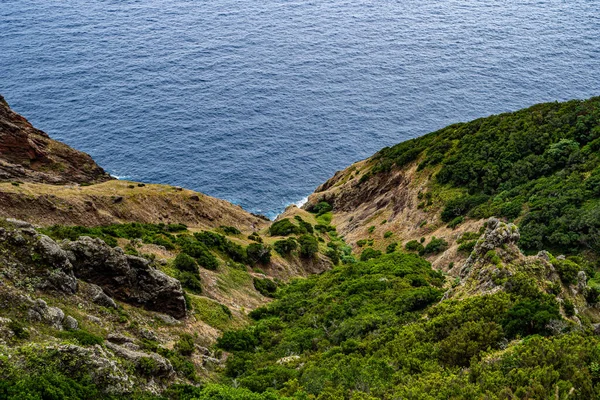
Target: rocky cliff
29, 155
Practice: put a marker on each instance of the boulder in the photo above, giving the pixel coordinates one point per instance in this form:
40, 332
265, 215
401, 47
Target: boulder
41, 312
70, 323
128, 278
102, 299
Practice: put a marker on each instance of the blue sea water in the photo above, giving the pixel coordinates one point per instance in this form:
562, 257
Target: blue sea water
259, 101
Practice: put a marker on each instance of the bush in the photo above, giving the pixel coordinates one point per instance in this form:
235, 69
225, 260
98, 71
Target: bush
265, 286
185, 345
285, 246
333, 256
567, 270
190, 281
322, 208
369, 253
283, 227
461, 206
231, 230
18, 329
84, 338
200, 252
455, 222
361, 242
388, 234
434, 246
391, 248
308, 246
183, 262
467, 247
569, 308
258, 253
414, 245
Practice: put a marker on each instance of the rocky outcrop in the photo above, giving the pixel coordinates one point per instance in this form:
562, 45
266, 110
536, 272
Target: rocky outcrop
30, 155
498, 235
124, 277
30, 258
40, 311
150, 363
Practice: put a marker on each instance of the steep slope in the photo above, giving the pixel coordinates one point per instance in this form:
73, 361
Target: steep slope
28, 154
539, 167
514, 327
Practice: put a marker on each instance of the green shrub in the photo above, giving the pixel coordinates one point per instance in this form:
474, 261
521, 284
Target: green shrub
567, 270
258, 253
333, 256
308, 246
283, 227
230, 230
369, 253
19, 330
200, 252
190, 281
569, 308
184, 262
286, 246
391, 248
265, 286
461, 206
455, 222
434, 246
467, 247
413, 245
361, 242
371, 229
321, 208
185, 345
388, 234
84, 338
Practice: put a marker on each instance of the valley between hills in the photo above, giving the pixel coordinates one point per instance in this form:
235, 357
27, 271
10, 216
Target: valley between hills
463, 264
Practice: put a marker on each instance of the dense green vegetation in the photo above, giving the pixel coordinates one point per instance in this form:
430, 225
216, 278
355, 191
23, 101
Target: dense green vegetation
540, 165
376, 329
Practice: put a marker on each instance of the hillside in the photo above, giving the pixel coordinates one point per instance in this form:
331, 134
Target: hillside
462, 264
538, 167
29, 155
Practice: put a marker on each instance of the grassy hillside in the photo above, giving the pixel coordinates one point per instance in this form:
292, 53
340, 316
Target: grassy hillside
540, 165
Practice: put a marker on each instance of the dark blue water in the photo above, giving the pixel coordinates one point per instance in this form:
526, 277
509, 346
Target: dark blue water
259, 101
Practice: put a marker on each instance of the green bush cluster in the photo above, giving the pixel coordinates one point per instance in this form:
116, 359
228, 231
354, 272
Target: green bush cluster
265, 286
361, 329
540, 164
286, 246
258, 253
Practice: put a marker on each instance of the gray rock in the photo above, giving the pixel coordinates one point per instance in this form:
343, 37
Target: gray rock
119, 338
124, 277
544, 255
148, 334
60, 277
167, 319
70, 323
17, 223
581, 281
52, 316
496, 235
104, 372
102, 299
163, 366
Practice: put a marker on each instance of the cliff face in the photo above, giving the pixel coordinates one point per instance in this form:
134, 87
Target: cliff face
28, 154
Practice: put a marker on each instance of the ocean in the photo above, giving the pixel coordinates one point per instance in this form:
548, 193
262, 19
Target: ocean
258, 102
